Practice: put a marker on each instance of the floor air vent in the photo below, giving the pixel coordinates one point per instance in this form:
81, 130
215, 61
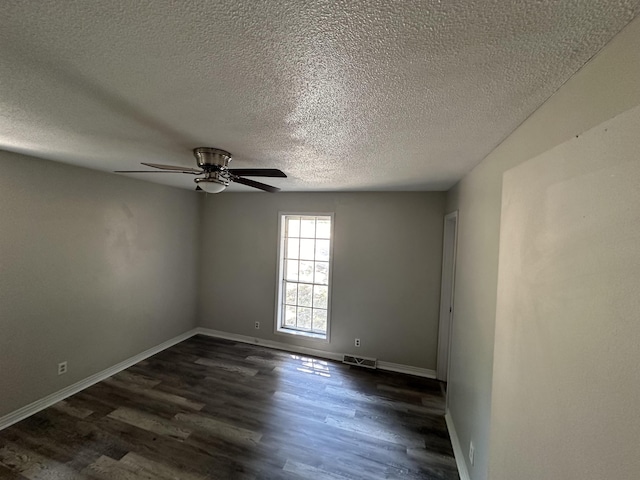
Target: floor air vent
360, 361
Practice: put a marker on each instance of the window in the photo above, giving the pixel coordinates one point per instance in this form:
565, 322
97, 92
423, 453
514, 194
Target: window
304, 275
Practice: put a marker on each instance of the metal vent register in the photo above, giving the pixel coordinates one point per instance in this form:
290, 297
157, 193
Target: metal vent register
360, 361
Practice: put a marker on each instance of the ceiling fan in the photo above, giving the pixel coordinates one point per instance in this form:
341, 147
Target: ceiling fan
213, 164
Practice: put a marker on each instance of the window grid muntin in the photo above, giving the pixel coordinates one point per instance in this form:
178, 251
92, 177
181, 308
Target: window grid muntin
287, 257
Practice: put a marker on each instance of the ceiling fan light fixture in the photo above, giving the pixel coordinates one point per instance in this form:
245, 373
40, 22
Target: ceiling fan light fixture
211, 185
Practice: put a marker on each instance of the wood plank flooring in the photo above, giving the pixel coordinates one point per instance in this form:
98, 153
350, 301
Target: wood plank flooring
215, 409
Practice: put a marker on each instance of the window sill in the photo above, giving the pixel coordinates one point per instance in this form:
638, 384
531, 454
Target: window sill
299, 333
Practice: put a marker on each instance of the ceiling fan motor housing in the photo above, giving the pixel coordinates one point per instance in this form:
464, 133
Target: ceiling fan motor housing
208, 157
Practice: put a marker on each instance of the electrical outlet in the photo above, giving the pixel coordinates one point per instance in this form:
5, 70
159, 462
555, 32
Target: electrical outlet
472, 451
62, 368
257, 325
357, 342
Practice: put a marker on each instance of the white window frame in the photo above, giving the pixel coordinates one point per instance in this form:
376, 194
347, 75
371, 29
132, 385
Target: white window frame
279, 329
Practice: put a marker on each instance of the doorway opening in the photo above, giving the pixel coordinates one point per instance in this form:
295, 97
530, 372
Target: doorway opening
449, 246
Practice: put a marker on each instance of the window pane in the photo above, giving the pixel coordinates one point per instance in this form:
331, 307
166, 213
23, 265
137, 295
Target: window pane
322, 273
308, 227
293, 226
304, 318
305, 295
291, 293
322, 250
323, 228
291, 270
293, 245
306, 272
319, 321
320, 296
290, 316
306, 249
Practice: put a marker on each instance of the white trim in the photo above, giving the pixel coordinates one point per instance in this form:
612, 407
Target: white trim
38, 405
278, 330
315, 337
447, 292
269, 343
457, 449
49, 400
392, 367
407, 369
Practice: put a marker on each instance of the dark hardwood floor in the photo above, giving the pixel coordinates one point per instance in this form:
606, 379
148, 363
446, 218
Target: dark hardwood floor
215, 409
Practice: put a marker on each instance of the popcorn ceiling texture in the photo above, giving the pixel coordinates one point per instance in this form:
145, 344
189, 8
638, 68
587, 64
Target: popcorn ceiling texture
341, 95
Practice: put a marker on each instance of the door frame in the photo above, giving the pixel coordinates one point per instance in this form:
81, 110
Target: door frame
447, 290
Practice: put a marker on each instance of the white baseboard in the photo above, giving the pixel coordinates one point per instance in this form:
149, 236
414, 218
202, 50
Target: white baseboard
49, 400
457, 448
392, 367
408, 369
35, 407
268, 343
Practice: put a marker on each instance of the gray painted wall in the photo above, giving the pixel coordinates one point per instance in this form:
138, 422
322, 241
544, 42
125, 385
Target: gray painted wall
386, 269
605, 87
94, 268
567, 332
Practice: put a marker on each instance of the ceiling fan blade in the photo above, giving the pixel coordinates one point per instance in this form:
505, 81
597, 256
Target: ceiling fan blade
258, 172
174, 168
254, 184
148, 171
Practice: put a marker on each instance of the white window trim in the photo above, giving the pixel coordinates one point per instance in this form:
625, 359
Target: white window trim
278, 330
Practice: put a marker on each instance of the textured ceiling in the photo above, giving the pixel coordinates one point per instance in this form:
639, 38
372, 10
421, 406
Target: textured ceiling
341, 95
